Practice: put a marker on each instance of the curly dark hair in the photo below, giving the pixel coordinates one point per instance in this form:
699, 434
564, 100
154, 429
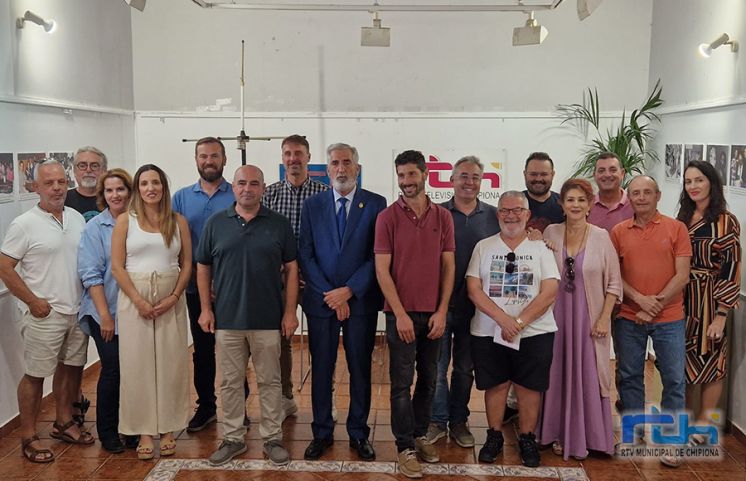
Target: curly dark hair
717, 199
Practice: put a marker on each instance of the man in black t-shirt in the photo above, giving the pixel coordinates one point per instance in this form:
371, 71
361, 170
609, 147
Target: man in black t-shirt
542, 202
89, 164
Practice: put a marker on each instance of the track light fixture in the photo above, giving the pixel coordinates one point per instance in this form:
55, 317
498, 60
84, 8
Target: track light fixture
530, 34
706, 49
138, 4
375, 36
48, 25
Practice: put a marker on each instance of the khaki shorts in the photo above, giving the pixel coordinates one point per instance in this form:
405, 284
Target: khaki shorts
52, 339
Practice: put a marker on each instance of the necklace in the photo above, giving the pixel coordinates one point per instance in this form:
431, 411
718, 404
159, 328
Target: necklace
570, 261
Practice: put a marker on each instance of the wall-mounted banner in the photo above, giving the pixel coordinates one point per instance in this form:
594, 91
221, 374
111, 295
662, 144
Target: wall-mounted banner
318, 173
440, 165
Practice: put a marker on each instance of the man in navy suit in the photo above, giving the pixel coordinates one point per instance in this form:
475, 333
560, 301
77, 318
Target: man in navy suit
336, 257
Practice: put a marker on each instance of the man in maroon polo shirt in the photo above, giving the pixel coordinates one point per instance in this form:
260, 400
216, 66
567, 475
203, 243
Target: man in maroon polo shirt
415, 265
611, 205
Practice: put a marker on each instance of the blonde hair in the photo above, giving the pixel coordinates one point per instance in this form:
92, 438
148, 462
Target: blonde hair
167, 221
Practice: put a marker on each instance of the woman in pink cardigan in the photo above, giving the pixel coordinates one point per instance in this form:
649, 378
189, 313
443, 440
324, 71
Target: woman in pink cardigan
576, 415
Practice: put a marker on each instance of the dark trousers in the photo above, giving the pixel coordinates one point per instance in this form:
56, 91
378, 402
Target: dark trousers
451, 405
410, 415
358, 338
203, 357
107, 389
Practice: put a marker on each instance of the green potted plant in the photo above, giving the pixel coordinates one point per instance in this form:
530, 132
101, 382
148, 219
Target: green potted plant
629, 140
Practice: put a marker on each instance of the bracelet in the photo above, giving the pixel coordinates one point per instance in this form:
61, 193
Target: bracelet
174, 294
521, 324
722, 313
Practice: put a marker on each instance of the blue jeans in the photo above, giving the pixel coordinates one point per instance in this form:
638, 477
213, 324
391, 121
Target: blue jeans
668, 342
452, 405
107, 389
410, 414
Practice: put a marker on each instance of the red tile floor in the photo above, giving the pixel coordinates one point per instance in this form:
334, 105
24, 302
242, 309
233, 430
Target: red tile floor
93, 463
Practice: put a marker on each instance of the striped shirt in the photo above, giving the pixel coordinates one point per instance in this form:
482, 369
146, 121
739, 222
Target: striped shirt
285, 198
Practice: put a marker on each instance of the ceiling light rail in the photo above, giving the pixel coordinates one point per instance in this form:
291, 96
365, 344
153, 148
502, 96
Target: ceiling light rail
515, 7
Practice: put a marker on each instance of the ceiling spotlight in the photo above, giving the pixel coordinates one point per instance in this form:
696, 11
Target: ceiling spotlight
375, 36
49, 25
586, 8
138, 4
706, 49
530, 34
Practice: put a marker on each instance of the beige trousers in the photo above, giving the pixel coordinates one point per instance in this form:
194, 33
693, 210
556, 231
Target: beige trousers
234, 347
153, 360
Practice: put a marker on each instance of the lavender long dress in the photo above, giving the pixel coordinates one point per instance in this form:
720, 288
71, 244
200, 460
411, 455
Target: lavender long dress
574, 412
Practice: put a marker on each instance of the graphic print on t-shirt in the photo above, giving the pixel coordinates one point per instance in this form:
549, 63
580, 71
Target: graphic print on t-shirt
516, 286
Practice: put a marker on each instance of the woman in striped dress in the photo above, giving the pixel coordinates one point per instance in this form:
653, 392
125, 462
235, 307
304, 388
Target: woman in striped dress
714, 282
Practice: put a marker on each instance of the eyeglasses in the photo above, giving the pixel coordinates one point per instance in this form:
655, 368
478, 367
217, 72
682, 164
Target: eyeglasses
511, 266
570, 273
93, 166
514, 211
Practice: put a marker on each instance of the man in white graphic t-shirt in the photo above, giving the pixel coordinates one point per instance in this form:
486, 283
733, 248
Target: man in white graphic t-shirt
513, 283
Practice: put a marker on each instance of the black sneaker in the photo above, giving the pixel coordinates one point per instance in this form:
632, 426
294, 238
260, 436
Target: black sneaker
493, 446
530, 456
201, 419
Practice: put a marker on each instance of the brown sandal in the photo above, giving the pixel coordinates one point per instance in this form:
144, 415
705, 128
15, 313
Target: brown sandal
32, 454
61, 433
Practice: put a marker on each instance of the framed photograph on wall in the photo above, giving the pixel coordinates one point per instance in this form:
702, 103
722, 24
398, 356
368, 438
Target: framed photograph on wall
738, 167
717, 156
66, 159
673, 159
27, 162
7, 177
693, 152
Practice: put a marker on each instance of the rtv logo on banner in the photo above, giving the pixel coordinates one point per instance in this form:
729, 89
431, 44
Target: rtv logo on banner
440, 167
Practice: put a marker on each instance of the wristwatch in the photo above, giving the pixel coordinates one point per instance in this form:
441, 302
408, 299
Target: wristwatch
521, 324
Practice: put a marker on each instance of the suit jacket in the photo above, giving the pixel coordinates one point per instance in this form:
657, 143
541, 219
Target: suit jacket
327, 264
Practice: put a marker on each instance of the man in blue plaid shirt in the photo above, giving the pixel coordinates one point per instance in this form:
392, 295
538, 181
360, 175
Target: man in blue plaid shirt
286, 196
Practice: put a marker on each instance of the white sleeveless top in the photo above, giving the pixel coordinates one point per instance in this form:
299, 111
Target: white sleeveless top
146, 251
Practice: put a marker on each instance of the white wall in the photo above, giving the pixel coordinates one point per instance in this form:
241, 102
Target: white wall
312, 61
376, 136
679, 26
57, 92
705, 103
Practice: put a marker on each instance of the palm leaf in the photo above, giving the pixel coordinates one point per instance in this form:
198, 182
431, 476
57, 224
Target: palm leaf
629, 140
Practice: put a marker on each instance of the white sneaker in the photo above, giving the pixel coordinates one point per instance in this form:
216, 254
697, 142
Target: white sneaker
289, 407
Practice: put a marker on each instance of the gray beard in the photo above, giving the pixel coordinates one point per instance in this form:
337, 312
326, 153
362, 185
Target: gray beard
88, 183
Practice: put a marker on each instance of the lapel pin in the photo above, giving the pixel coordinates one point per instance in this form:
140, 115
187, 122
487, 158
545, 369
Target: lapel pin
360, 205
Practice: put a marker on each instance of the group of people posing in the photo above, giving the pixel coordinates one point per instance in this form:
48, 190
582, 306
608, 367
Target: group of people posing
523, 298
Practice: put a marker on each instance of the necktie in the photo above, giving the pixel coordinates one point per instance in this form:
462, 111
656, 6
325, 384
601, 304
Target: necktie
341, 218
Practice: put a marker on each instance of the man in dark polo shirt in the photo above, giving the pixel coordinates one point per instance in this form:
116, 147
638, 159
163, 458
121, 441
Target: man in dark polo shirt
473, 221
543, 203
415, 266
239, 258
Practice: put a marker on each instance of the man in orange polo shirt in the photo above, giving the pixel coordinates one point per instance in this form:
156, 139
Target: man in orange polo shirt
654, 254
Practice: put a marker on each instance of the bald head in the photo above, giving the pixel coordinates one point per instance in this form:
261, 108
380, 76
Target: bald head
644, 194
639, 180
248, 187
249, 169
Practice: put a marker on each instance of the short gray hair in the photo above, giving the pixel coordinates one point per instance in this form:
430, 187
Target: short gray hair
44, 163
342, 146
469, 159
517, 194
93, 150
